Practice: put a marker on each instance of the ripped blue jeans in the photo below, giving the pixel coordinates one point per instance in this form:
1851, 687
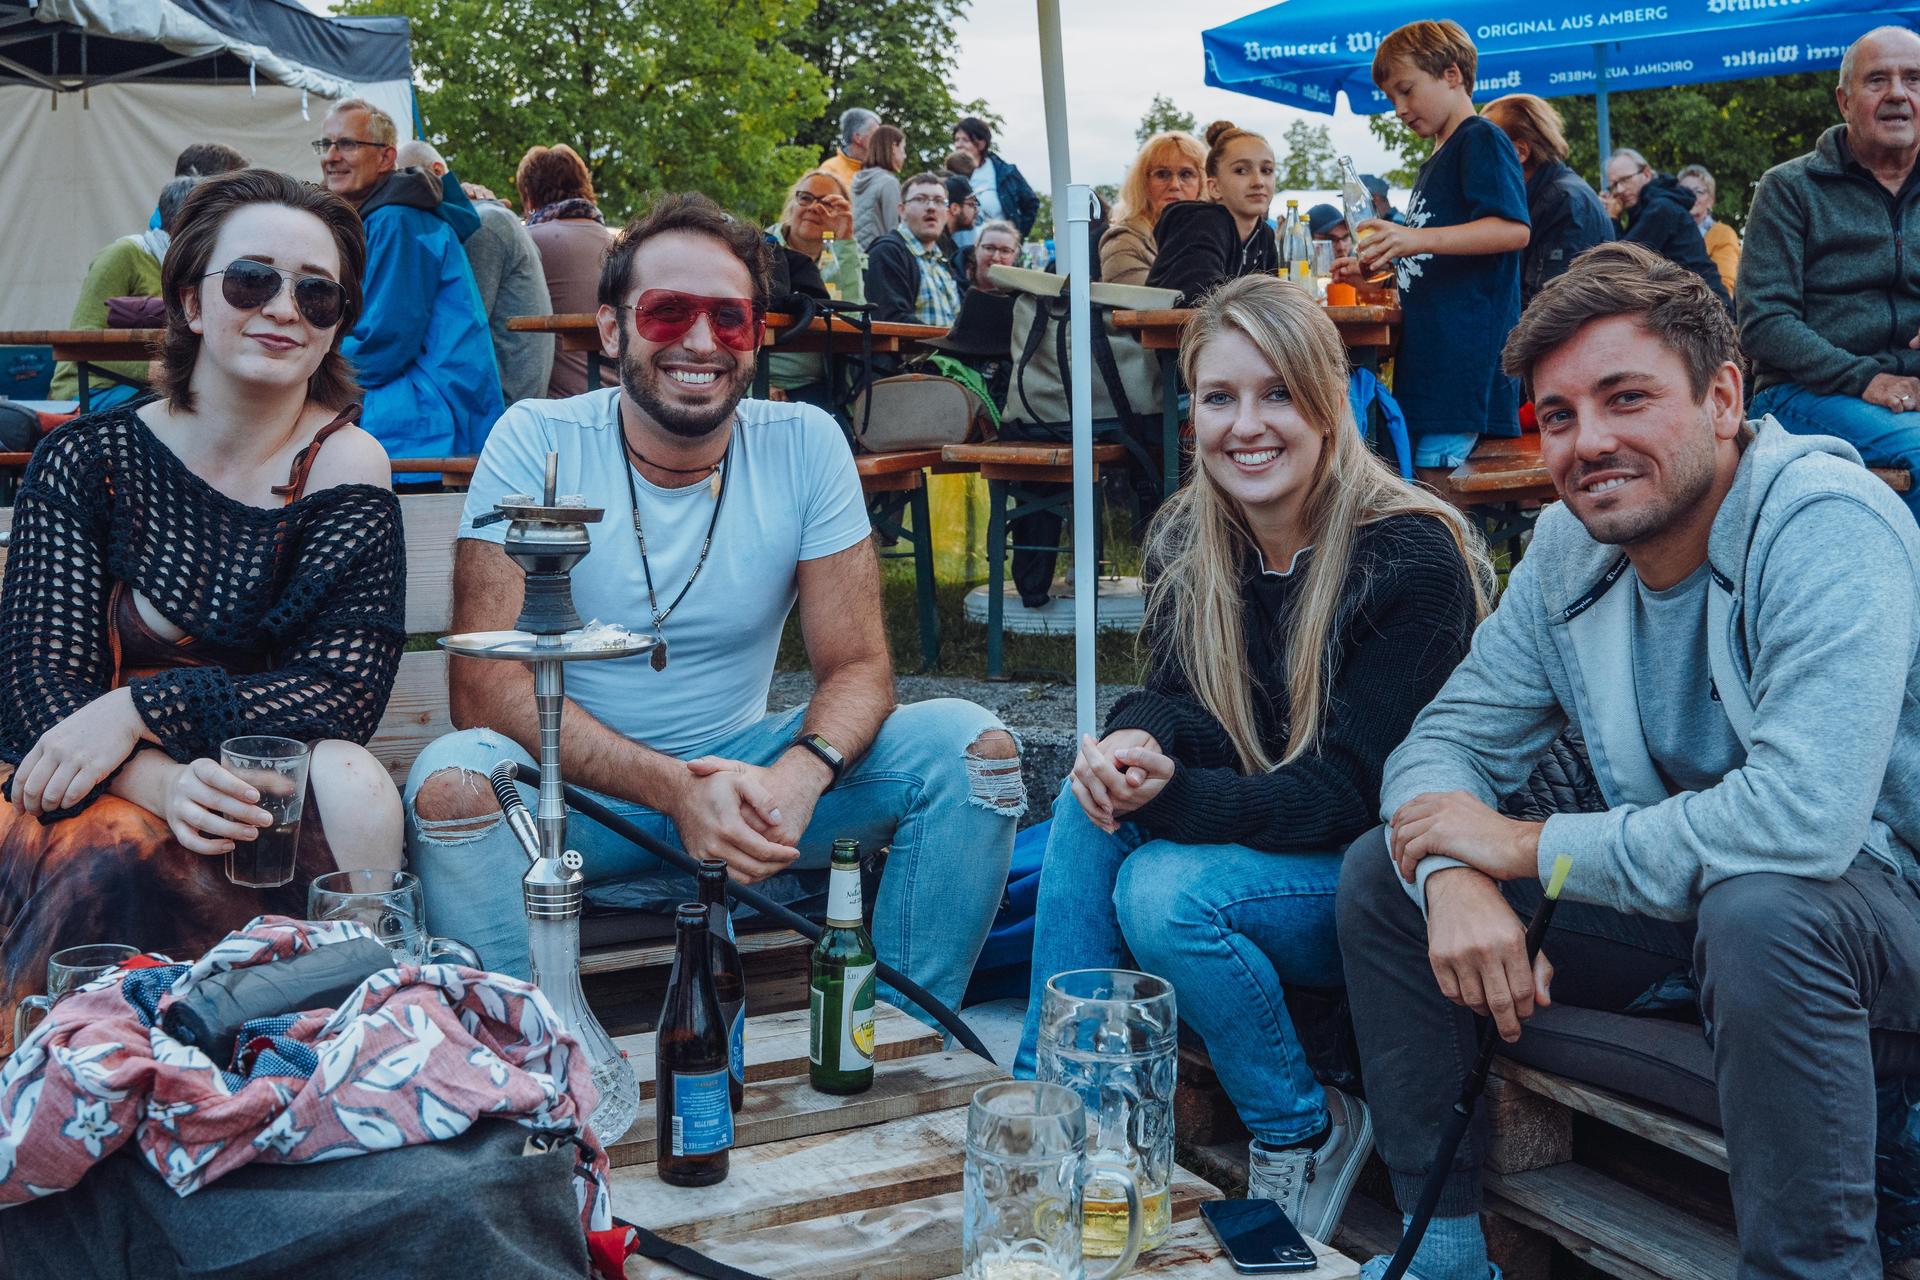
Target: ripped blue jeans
946, 813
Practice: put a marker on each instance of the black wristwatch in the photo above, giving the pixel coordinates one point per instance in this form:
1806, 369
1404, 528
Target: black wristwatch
825, 750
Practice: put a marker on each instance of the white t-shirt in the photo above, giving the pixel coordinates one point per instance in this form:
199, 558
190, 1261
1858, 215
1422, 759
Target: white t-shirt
792, 494
986, 191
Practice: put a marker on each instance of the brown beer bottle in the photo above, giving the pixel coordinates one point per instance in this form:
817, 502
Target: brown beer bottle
729, 978
692, 1110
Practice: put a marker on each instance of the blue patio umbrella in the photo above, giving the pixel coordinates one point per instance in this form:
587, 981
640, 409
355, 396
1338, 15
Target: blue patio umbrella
1305, 53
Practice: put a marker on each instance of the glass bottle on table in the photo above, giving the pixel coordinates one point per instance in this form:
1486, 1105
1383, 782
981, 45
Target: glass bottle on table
729, 977
1300, 265
1358, 204
693, 1111
841, 985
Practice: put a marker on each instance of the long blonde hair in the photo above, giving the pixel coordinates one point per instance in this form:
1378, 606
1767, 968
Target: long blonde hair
1200, 541
1161, 148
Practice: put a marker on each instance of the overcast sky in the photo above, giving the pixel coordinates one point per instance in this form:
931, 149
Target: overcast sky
1119, 54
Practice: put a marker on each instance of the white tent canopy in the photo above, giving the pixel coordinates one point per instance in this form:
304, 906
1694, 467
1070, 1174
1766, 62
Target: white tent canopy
97, 98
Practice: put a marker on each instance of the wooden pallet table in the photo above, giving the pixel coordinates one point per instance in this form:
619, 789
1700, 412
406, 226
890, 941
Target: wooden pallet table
860, 1188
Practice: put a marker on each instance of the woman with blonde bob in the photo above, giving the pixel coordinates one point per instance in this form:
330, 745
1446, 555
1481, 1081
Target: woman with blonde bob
1304, 604
1168, 169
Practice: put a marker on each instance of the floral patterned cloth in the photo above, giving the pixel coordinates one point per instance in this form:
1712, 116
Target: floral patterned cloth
416, 1054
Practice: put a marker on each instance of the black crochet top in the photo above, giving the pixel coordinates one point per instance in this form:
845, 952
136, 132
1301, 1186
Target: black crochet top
1404, 624
317, 587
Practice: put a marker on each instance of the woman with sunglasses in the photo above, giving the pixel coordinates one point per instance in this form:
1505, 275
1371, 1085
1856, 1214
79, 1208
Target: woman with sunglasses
1167, 170
225, 559
811, 264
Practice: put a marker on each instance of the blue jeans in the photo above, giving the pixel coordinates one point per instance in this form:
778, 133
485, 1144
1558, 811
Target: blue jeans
1443, 449
1227, 925
947, 816
1883, 437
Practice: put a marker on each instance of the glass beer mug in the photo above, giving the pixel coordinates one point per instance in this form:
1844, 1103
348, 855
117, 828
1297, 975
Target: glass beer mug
1026, 1175
1112, 1037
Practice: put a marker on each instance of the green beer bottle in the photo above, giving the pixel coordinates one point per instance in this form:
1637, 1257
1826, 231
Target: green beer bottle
841, 986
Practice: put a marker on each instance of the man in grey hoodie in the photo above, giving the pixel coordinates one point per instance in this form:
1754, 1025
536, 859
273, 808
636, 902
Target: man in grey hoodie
1729, 616
1829, 293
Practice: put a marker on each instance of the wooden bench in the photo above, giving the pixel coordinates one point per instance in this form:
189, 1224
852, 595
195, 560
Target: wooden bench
1012, 470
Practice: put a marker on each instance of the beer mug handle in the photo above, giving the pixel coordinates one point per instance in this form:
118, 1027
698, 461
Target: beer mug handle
42, 1003
1130, 1252
443, 949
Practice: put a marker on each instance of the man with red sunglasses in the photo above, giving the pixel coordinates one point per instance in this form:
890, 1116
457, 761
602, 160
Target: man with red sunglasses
723, 513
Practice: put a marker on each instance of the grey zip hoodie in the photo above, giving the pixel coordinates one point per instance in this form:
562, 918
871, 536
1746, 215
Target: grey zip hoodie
876, 205
1814, 636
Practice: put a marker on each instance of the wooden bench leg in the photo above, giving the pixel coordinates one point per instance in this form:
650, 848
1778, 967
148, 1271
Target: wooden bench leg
996, 573
923, 579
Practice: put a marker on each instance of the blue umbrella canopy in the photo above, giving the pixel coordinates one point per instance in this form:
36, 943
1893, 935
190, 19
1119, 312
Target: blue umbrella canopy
1305, 53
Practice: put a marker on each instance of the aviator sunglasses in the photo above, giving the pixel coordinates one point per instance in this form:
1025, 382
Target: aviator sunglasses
249, 285
665, 315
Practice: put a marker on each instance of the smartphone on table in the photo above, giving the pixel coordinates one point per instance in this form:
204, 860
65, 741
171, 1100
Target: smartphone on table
1257, 1236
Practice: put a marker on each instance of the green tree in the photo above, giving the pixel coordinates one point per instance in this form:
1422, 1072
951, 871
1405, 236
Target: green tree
888, 56
1163, 117
1410, 147
701, 95
1307, 161
1738, 129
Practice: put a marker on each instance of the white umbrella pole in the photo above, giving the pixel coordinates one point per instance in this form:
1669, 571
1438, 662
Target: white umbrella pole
1071, 213
1604, 125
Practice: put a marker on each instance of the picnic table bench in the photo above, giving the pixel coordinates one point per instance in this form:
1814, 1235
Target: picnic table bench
829, 1188
88, 349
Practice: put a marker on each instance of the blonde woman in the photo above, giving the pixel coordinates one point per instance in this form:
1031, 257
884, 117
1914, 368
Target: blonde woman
1168, 170
1305, 603
1225, 232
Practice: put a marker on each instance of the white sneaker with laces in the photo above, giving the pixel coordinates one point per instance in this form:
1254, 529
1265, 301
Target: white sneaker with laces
1312, 1187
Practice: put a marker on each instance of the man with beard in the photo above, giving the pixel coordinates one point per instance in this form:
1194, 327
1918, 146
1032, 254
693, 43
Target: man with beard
722, 514
1828, 296
1692, 608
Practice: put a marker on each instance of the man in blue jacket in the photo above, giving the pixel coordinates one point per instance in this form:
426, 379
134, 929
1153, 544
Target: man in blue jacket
420, 349
998, 184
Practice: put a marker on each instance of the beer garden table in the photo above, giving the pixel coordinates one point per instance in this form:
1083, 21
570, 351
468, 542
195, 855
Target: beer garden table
1371, 330
87, 348
866, 1187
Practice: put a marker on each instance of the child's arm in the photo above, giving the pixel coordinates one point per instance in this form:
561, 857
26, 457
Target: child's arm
1383, 240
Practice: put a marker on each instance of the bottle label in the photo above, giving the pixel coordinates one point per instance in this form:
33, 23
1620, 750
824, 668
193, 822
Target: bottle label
734, 1014
702, 1113
843, 896
856, 1018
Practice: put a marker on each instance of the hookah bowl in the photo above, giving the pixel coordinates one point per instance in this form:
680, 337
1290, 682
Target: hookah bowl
546, 539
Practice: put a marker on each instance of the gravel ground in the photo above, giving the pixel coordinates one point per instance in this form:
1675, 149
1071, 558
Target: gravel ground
1041, 715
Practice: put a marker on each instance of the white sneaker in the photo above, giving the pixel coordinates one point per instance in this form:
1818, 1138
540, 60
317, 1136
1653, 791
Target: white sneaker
1312, 1187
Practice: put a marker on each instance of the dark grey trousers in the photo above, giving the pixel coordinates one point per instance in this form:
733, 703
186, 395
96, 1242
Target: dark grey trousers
1807, 988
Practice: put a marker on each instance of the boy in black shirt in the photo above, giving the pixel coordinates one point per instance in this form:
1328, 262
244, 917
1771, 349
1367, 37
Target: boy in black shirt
1457, 259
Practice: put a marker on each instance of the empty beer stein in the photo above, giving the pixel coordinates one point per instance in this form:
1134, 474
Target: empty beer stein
1112, 1037
1026, 1176
393, 906
70, 970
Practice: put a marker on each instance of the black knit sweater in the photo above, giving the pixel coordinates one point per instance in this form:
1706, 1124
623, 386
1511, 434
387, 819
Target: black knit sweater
1404, 624
316, 587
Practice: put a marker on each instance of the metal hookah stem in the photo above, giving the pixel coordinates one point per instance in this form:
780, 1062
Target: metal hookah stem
549, 696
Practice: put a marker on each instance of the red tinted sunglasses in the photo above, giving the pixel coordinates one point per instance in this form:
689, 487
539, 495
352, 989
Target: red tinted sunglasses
665, 315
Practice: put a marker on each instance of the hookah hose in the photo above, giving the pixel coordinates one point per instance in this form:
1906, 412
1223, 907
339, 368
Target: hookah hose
1470, 1090
607, 818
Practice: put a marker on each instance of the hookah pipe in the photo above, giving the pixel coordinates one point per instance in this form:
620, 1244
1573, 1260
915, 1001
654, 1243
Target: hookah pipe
1470, 1090
521, 822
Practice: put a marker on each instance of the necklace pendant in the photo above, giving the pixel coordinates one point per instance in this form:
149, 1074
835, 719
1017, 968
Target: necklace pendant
659, 657
713, 485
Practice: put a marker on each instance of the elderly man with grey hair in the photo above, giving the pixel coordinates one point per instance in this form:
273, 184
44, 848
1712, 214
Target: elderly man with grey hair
856, 126
1658, 213
506, 267
1829, 304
